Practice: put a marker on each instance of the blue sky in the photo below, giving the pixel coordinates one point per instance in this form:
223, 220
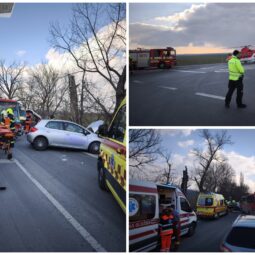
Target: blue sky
244, 141
241, 154
27, 30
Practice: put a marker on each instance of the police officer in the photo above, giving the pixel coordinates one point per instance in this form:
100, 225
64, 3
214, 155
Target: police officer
236, 73
166, 229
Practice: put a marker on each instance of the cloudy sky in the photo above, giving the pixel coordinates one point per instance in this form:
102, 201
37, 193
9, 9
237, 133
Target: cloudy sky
192, 28
241, 154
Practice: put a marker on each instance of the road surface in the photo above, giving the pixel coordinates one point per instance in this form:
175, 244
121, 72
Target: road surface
189, 96
53, 203
209, 234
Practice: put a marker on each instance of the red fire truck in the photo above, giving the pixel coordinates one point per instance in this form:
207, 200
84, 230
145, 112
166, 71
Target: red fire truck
159, 58
247, 204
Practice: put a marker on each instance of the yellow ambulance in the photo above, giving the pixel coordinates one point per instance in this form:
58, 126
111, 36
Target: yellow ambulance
211, 205
112, 158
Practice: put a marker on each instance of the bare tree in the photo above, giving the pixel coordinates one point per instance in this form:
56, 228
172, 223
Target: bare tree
166, 173
47, 89
143, 149
94, 40
213, 144
10, 78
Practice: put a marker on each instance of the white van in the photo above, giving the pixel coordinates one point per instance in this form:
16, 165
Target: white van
146, 201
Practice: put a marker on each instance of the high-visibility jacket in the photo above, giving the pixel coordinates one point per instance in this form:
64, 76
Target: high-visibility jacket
235, 69
166, 225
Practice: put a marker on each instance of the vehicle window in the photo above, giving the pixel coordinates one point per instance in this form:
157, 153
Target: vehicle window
242, 237
73, 128
221, 202
118, 127
251, 199
205, 201
54, 125
142, 207
185, 205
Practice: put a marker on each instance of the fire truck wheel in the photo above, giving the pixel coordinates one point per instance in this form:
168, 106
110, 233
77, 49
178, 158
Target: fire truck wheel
162, 65
216, 216
9, 156
101, 178
40, 143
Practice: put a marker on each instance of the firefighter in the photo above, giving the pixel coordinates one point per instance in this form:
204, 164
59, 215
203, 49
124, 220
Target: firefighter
236, 74
176, 228
28, 121
3, 116
166, 229
10, 123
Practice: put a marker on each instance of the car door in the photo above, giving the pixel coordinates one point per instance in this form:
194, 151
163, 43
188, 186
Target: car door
185, 212
55, 133
75, 136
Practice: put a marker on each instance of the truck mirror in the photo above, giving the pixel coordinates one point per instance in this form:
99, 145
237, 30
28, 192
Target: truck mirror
103, 130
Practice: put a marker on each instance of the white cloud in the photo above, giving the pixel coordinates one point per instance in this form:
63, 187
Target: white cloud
176, 132
21, 53
185, 144
200, 25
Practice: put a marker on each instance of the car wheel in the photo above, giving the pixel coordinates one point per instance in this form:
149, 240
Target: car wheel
162, 65
40, 143
192, 229
216, 216
101, 178
94, 147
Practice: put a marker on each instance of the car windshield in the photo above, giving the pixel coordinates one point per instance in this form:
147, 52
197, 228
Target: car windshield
242, 237
205, 201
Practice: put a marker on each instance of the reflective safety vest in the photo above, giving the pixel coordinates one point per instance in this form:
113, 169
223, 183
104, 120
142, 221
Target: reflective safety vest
235, 69
166, 225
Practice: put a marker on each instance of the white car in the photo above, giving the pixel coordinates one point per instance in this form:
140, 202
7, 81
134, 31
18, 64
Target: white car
62, 133
241, 237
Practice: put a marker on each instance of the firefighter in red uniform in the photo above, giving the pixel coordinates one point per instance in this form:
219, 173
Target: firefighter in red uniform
166, 229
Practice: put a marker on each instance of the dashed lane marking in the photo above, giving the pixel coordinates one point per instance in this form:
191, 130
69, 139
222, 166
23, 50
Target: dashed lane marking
6, 161
136, 81
91, 155
189, 71
81, 230
210, 95
170, 88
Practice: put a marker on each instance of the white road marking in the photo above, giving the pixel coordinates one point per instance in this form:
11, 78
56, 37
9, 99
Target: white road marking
136, 81
6, 161
82, 231
170, 88
210, 95
91, 155
189, 71
221, 71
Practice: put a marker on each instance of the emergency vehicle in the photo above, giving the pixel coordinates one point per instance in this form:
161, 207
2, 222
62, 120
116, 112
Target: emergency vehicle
159, 58
247, 54
211, 205
112, 158
19, 113
146, 202
247, 204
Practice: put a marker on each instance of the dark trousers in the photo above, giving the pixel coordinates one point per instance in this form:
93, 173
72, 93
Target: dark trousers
232, 85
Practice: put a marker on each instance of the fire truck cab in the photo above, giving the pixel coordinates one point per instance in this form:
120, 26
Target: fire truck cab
146, 202
158, 58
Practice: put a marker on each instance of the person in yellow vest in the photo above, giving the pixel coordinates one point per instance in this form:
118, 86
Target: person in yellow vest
10, 123
166, 229
236, 74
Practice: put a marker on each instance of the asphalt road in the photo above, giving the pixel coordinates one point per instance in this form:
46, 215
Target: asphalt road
53, 203
189, 96
209, 234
